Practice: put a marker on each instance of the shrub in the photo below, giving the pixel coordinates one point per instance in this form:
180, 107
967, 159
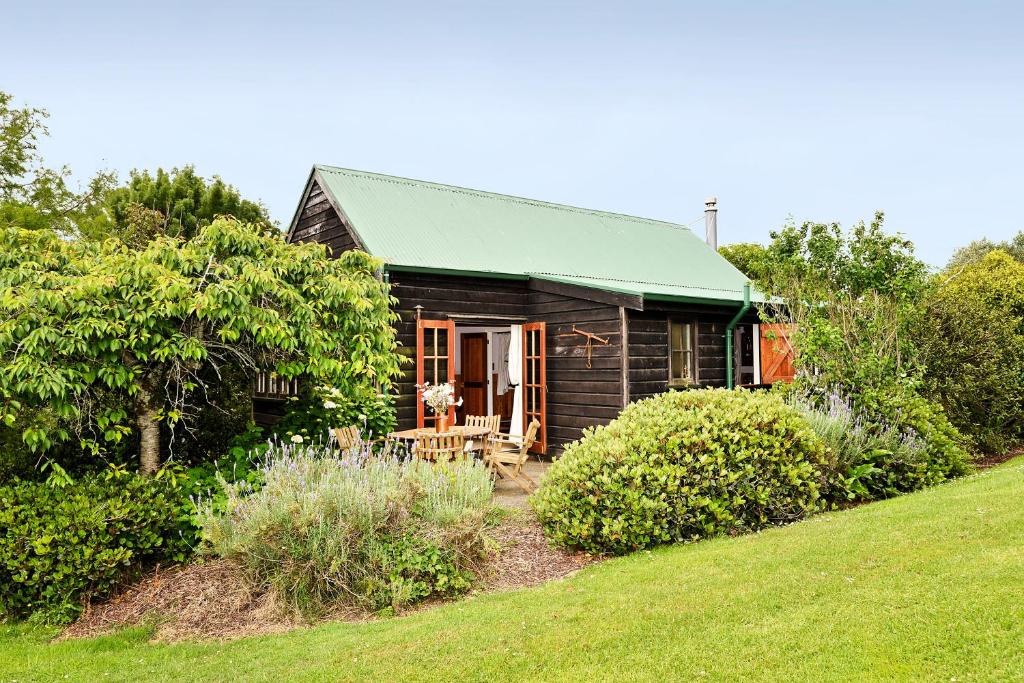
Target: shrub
328, 528
972, 340
319, 409
903, 443
60, 546
945, 447
681, 466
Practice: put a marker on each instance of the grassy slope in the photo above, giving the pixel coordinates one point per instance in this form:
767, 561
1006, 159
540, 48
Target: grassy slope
925, 587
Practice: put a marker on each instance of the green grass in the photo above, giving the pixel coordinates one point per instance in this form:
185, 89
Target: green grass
929, 586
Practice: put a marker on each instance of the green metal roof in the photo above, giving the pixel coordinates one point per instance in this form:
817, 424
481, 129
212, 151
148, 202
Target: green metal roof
423, 225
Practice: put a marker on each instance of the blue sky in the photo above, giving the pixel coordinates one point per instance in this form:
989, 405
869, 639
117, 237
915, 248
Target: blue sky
820, 111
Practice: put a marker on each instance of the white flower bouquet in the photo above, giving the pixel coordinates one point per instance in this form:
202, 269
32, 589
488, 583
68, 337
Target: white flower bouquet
440, 397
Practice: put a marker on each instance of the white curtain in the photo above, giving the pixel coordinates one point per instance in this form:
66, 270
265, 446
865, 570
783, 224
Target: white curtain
501, 341
515, 378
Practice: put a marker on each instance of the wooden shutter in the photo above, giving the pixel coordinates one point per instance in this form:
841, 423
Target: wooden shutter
535, 387
776, 353
435, 359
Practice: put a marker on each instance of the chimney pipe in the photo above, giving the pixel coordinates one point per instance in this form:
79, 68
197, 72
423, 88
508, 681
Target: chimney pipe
711, 222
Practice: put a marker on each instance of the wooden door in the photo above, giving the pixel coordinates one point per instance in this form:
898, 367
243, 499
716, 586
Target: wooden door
474, 374
535, 387
434, 361
776, 354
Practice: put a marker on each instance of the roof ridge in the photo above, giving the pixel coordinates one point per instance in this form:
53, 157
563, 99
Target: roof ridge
636, 282
497, 195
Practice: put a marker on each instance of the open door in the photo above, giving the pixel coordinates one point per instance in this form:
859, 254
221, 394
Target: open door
535, 387
435, 360
475, 368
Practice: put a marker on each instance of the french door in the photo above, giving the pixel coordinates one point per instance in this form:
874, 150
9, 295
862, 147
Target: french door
435, 360
535, 386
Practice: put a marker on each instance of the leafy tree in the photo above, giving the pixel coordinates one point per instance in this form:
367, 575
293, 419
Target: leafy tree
32, 195
115, 339
752, 259
827, 258
978, 249
176, 203
972, 339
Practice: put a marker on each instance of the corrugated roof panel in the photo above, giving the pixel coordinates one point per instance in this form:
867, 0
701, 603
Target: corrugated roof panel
426, 225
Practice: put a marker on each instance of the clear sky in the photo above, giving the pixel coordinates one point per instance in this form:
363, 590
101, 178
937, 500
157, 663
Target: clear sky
815, 110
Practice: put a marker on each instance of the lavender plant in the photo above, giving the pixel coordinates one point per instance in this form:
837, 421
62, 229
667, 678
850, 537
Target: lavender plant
872, 458
375, 530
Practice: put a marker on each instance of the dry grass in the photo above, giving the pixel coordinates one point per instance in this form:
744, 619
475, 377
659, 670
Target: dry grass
200, 600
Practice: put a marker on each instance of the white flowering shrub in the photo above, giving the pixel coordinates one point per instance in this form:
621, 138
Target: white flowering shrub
318, 409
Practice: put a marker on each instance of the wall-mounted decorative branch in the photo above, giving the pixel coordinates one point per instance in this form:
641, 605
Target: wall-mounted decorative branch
591, 338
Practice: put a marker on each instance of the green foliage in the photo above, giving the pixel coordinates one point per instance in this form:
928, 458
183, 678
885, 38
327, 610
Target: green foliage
33, 196
320, 408
972, 339
914, 414
176, 203
753, 260
379, 533
822, 257
895, 446
60, 546
977, 250
853, 299
682, 466
111, 337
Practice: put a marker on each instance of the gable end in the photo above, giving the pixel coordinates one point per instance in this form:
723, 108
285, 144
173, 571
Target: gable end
319, 220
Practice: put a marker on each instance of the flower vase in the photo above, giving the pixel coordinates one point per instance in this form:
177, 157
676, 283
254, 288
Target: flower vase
442, 422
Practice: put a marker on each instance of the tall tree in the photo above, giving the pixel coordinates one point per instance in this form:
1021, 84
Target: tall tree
176, 203
31, 194
114, 338
977, 250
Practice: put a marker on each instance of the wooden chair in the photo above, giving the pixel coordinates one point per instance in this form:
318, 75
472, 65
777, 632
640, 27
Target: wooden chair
506, 456
347, 437
492, 423
440, 446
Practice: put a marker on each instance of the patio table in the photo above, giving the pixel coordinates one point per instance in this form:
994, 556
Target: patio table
475, 435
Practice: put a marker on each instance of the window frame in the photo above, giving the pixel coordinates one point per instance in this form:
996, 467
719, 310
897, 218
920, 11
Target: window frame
694, 335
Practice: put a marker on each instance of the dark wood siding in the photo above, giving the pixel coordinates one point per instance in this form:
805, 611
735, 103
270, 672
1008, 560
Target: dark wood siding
648, 346
578, 396
319, 222
648, 354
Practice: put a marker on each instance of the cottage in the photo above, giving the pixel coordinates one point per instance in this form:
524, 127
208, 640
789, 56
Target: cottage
538, 310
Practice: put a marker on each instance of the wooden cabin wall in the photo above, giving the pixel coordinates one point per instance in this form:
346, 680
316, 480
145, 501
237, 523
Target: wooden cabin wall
579, 396
441, 296
319, 222
648, 346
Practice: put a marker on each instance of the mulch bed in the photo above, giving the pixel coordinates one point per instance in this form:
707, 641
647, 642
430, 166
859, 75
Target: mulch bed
200, 600
987, 461
526, 559
211, 599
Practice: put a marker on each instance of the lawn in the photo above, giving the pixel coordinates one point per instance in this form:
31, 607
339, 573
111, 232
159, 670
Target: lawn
929, 586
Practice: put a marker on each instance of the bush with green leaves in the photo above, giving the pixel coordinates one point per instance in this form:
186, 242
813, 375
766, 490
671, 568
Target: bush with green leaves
873, 457
682, 466
62, 545
320, 408
327, 529
972, 340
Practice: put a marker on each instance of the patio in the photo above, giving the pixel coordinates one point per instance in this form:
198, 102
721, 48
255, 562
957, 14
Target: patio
507, 493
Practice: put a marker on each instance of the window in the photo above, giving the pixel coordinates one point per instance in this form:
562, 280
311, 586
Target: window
682, 352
